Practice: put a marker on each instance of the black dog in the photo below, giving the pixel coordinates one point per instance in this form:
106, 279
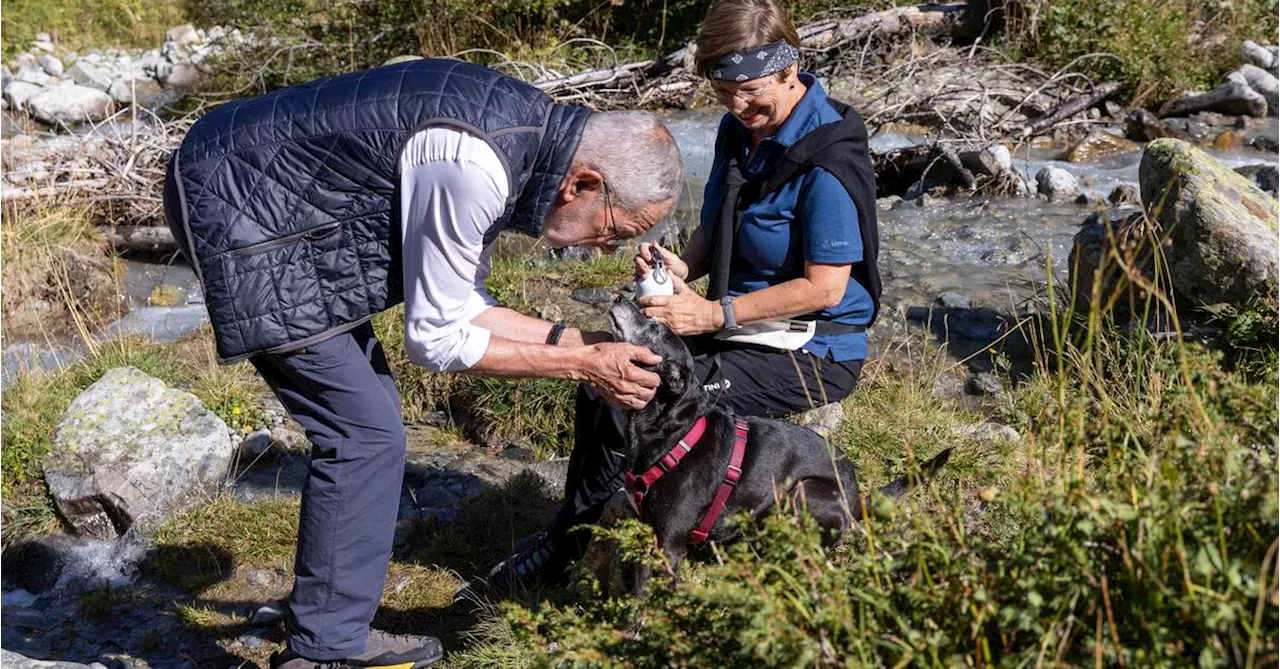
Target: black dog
779, 456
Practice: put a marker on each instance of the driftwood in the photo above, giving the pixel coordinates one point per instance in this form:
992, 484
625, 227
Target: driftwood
1232, 97
933, 166
139, 238
639, 77
1073, 106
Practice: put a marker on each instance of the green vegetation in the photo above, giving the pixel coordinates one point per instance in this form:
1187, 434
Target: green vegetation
1135, 524
1156, 48
85, 24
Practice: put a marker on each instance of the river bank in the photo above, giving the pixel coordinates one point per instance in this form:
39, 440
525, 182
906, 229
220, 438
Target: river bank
1083, 440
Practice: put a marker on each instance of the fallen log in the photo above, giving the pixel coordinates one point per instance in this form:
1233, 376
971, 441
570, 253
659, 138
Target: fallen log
1232, 97
139, 238
933, 20
15, 193
1072, 107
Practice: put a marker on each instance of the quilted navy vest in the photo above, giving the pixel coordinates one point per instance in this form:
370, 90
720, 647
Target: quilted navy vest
285, 204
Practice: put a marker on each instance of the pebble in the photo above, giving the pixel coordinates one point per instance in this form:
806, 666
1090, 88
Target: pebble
990, 432
259, 577
250, 640
955, 301
983, 384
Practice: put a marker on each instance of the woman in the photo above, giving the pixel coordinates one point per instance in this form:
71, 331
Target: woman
787, 239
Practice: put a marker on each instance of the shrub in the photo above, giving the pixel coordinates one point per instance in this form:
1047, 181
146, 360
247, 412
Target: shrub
84, 24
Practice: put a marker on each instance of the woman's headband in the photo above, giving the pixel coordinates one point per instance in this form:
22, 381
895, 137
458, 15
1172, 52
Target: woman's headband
755, 62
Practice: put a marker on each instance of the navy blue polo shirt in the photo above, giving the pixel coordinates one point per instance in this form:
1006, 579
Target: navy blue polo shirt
811, 217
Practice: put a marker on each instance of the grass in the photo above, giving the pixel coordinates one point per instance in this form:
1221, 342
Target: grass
52, 255
80, 25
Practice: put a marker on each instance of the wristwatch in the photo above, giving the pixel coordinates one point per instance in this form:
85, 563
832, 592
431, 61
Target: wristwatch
726, 304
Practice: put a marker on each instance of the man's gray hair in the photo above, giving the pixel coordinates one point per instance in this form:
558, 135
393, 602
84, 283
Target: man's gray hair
636, 154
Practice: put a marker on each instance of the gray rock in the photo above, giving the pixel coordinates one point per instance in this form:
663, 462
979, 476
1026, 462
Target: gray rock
6, 78
1222, 227
69, 104
33, 75
12, 660
1264, 83
259, 578
250, 640
983, 384
182, 35
1260, 56
36, 170
1056, 183
180, 75
1125, 194
954, 301
88, 74
130, 451
51, 65
999, 154
143, 90
592, 295
1266, 176
1142, 125
1094, 243
992, 433
824, 420
256, 443
948, 385
19, 93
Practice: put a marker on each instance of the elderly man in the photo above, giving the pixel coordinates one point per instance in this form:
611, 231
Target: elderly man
307, 211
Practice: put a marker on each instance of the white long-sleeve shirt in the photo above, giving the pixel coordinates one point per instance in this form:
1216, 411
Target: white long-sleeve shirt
452, 189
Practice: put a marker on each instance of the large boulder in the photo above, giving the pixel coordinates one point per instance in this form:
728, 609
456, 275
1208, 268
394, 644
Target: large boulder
69, 104
1222, 228
130, 450
88, 74
19, 93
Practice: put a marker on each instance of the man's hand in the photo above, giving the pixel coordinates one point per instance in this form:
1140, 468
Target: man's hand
685, 312
611, 369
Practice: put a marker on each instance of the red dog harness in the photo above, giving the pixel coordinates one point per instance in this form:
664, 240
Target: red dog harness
640, 485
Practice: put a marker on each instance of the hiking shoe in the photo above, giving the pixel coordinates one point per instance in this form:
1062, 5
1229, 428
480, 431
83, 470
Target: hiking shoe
382, 650
537, 558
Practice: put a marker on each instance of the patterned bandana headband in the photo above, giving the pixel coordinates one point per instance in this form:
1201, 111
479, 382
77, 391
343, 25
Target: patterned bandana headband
755, 62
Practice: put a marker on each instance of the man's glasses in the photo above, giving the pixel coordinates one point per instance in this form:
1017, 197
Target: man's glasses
613, 222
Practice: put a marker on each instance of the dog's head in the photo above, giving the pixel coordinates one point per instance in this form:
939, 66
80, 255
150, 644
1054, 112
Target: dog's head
633, 327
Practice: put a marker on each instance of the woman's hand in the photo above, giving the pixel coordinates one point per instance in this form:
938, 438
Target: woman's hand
644, 260
685, 312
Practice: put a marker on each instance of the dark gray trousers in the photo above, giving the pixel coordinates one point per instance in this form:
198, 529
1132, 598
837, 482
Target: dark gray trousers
342, 393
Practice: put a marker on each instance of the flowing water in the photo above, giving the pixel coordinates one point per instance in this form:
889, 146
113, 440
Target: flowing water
992, 251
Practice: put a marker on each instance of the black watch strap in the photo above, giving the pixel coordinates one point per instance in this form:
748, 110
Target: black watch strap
557, 331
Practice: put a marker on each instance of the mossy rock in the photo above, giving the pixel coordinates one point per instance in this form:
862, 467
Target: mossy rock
1221, 227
